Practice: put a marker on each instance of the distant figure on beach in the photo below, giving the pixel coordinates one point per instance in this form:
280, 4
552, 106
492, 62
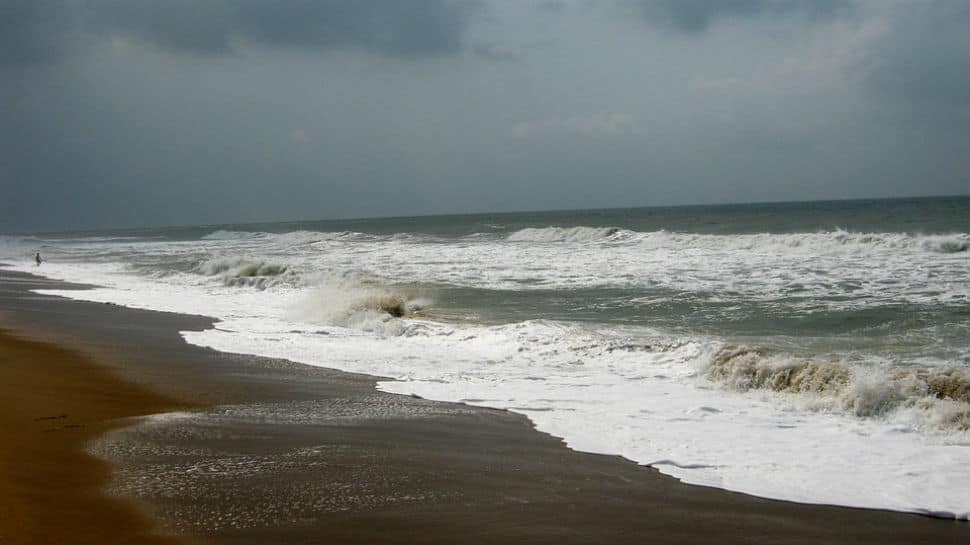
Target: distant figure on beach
38, 259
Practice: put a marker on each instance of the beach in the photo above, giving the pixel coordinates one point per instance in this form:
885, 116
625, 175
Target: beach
474, 271
54, 402
256, 449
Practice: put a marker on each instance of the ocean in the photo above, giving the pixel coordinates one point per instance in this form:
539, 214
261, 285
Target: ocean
816, 352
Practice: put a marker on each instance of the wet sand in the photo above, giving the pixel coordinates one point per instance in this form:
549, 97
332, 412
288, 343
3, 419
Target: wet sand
280, 452
52, 403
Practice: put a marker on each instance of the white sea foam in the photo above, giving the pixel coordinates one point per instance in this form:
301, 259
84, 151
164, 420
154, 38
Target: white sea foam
16, 247
831, 270
847, 429
651, 405
355, 305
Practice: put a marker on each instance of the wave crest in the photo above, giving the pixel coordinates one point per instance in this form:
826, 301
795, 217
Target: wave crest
822, 242
367, 307
838, 241
19, 247
222, 234
745, 368
570, 234
242, 272
947, 245
953, 243
942, 395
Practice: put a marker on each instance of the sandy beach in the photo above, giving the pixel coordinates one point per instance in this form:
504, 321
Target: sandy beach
254, 450
54, 402
484, 272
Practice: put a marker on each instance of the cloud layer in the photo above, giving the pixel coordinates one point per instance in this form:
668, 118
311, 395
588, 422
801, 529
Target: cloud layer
41, 30
698, 15
116, 113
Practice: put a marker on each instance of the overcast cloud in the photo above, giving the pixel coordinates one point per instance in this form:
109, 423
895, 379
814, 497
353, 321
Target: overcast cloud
158, 112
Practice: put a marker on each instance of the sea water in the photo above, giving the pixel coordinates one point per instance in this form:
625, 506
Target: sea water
814, 352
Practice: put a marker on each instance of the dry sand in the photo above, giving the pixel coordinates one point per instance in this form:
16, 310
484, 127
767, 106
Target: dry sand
52, 403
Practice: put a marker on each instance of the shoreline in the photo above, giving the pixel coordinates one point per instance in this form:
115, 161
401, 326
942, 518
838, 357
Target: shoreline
288, 452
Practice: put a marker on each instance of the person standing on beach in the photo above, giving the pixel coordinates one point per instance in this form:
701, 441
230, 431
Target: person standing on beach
38, 259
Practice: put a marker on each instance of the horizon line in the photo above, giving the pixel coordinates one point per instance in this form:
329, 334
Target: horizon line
482, 213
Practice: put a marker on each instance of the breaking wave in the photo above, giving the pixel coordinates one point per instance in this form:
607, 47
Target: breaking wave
958, 242
744, 368
367, 307
570, 234
838, 241
940, 395
242, 272
233, 235
288, 239
18, 247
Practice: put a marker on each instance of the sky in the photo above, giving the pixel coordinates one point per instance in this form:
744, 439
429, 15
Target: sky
118, 113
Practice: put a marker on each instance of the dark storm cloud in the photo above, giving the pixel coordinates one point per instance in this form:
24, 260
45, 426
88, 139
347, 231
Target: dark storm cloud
698, 15
34, 31
182, 25
925, 59
400, 29
210, 111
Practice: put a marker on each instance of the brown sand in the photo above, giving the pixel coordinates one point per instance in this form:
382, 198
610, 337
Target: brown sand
294, 454
52, 403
